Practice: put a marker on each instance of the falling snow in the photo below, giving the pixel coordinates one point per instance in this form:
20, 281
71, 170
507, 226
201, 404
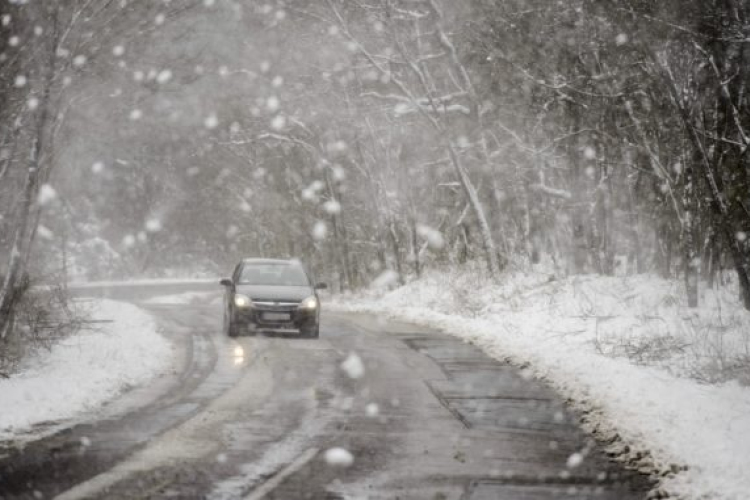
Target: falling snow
339, 457
353, 366
47, 195
320, 230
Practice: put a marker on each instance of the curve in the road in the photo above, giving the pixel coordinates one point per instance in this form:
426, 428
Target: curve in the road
429, 417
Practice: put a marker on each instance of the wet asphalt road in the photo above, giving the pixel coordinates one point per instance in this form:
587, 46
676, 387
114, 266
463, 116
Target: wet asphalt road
253, 417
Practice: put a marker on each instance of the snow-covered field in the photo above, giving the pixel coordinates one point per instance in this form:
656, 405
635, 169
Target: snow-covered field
122, 349
669, 382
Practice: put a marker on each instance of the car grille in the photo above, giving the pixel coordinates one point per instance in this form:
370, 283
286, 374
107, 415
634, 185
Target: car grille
275, 306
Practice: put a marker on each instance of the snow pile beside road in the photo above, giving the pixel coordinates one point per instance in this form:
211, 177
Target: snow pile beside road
143, 282
186, 298
627, 350
83, 372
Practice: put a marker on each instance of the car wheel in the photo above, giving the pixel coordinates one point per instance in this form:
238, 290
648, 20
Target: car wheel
311, 333
230, 328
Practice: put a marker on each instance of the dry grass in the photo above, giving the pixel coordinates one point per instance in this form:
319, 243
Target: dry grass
711, 347
42, 317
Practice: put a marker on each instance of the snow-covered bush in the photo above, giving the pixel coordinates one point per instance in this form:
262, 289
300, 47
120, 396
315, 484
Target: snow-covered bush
41, 316
95, 259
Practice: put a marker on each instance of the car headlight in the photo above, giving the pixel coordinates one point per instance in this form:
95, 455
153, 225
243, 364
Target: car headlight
309, 304
242, 301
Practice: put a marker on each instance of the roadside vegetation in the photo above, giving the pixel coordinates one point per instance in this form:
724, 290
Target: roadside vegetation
41, 318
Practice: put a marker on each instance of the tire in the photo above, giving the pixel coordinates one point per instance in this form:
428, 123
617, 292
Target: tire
311, 333
230, 328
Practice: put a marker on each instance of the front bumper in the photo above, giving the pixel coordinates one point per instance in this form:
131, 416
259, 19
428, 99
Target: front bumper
273, 317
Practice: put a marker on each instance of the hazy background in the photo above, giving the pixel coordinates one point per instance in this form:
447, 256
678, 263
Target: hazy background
177, 137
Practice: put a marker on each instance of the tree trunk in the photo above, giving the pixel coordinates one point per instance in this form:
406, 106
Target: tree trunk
636, 252
711, 258
688, 241
414, 251
396, 251
663, 241
21, 240
488, 243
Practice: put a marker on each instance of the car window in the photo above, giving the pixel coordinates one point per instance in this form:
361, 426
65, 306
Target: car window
273, 274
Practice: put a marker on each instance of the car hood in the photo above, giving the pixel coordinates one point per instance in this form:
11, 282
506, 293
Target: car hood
275, 293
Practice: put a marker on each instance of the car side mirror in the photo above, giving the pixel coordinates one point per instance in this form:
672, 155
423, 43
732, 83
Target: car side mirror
321, 286
226, 282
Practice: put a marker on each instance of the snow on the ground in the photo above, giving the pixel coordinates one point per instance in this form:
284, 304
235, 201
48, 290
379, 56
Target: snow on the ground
628, 350
122, 349
144, 282
186, 298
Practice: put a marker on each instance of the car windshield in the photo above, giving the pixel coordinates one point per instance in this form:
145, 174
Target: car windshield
273, 274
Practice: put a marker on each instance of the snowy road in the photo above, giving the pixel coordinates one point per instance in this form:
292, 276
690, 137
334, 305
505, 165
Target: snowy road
412, 414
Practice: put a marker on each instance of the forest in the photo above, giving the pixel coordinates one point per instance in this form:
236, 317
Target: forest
372, 139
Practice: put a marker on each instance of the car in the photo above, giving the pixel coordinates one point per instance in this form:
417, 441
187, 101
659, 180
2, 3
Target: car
271, 295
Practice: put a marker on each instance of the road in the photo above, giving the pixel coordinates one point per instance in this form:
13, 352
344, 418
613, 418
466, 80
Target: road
430, 417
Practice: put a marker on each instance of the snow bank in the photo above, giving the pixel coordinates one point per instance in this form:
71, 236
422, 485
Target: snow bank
627, 350
83, 372
186, 298
144, 282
